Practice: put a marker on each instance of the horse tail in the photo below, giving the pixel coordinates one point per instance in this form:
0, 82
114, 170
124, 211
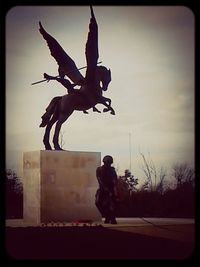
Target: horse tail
52, 109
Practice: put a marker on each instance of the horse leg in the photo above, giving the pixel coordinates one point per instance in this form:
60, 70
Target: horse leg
108, 108
47, 132
103, 101
62, 118
96, 110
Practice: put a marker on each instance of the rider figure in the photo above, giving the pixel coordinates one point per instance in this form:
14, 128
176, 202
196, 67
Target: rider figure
65, 82
70, 89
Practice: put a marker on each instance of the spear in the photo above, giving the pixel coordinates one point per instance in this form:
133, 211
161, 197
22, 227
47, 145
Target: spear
58, 75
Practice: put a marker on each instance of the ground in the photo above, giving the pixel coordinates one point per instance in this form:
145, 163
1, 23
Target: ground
138, 238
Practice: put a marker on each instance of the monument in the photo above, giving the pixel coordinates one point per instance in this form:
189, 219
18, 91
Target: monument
61, 185
96, 80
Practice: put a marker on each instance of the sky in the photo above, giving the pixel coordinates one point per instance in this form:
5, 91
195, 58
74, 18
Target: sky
150, 51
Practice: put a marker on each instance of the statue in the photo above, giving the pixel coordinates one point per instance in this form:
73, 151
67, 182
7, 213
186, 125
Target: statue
96, 80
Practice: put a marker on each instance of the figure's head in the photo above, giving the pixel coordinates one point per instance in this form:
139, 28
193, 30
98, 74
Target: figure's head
104, 76
108, 160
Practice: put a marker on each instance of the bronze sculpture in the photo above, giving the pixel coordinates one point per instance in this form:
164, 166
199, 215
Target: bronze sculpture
90, 92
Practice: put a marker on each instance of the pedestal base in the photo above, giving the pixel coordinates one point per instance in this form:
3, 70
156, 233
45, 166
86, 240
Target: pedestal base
60, 186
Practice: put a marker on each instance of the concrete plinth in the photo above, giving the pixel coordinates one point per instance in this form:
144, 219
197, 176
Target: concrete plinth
60, 186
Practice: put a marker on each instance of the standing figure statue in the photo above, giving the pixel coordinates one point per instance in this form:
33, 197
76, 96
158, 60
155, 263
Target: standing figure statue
106, 195
96, 80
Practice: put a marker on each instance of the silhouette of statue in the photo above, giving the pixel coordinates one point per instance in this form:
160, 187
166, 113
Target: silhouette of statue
70, 89
106, 195
96, 80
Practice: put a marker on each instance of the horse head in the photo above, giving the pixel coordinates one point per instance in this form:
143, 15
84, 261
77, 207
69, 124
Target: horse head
104, 76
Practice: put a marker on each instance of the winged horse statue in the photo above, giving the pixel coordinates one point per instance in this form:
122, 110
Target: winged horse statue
95, 81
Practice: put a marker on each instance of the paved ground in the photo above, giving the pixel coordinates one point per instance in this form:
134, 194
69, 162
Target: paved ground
131, 238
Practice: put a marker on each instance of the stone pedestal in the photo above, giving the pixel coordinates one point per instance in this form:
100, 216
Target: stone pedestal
60, 186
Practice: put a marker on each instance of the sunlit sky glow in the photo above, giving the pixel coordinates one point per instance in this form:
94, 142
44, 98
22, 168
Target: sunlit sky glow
150, 51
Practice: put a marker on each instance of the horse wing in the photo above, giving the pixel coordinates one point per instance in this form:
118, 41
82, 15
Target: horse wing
91, 50
65, 63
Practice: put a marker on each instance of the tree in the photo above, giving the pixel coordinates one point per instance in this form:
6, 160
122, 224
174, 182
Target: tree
14, 195
155, 177
160, 185
147, 169
130, 181
126, 185
183, 173
157, 197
